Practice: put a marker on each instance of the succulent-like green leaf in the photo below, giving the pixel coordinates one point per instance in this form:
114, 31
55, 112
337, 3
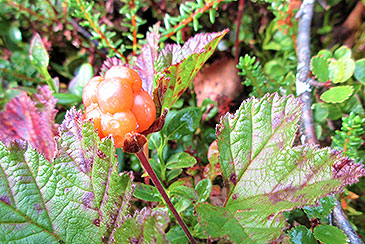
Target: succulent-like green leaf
204, 188
301, 235
329, 234
266, 174
319, 67
359, 72
337, 94
79, 198
341, 70
178, 65
146, 226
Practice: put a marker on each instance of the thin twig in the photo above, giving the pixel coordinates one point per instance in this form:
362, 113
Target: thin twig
239, 18
304, 91
142, 157
186, 21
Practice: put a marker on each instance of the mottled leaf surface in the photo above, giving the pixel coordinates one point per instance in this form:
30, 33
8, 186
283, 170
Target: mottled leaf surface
31, 120
266, 174
146, 226
67, 201
178, 65
146, 60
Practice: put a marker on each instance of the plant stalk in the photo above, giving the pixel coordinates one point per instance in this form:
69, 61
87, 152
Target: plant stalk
143, 159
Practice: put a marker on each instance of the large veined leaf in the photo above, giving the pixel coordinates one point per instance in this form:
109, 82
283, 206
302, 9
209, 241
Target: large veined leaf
31, 120
266, 174
146, 226
79, 198
178, 65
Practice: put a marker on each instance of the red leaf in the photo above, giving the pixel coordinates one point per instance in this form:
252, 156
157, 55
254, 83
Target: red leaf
32, 121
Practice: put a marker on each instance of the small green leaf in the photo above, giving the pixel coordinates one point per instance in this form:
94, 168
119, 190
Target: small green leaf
301, 235
325, 53
337, 94
323, 210
319, 66
342, 52
180, 160
329, 234
204, 188
84, 74
320, 112
38, 53
176, 235
182, 123
359, 72
172, 174
147, 193
335, 111
185, 192
341, 70
67, 98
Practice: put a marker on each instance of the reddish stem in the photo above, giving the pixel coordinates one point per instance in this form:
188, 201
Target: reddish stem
142, 157
239, 18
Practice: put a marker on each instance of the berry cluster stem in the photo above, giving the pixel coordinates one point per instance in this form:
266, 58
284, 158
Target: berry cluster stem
143, 159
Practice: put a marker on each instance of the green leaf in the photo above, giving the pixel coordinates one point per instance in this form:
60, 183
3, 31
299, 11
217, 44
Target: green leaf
84, 74
301, 235
147, 193
337, 94
177, 66
67, 191
325, 53
176, 235
146, 226
326, 204
204, 188
266, 174
329, 234
185, 192
342, 52
180, 160
38, 53
341, 70
172, 174
359, 72
320, 112
319, 67
67, 98
182, 123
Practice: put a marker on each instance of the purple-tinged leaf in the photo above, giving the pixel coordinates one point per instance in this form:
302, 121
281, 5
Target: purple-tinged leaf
146, 60
146, 226
177, 66
79, 198
266, 174
32, 121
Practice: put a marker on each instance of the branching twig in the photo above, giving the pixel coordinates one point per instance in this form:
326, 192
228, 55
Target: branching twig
303, 88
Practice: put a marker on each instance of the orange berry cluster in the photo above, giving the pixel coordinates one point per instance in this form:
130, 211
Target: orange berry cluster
117, 104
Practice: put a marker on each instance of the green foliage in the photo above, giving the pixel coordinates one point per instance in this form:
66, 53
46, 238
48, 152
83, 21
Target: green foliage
329, 234
301, 235
349, 138
266, 174
337, 94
